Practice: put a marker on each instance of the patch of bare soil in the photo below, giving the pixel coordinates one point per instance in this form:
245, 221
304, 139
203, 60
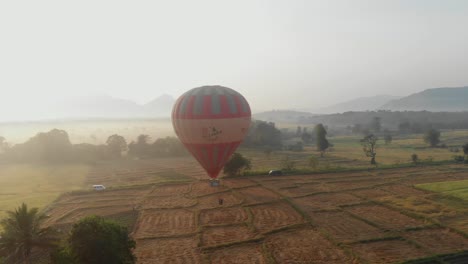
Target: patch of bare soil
223, 216
181, 250
438, 241
385, 217
326, 201
388, 251
255, 195
215, 236
164, 223
345, 228
268, 217
244, 254
304, 246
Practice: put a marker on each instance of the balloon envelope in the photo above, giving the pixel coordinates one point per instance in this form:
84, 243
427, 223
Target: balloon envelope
211, 122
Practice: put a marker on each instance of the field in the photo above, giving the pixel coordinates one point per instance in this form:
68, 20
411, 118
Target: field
37, 185
375, 216
340, 211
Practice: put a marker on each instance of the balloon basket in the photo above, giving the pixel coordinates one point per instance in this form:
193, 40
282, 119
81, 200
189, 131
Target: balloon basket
214, 183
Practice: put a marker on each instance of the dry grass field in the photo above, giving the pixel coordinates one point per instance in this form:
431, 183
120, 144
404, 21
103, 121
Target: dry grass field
375, 216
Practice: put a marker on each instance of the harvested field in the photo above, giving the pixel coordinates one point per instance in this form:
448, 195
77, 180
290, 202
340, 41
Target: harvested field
212, 201
256, 195
345, 228
351, 185
224, 216
388, 251
262, 221
305, 189
269, 217
326, 201
251, 254
403, 190
304, 246
166, 202
182, 250
77, 214
202, 188
438, 241
370, 193
215, 236
238, 183
164, 223
384, 217
170, 190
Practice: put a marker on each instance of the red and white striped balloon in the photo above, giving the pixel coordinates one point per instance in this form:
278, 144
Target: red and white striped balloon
211, 122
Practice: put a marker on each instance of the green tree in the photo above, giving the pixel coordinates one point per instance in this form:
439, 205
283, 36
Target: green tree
414, 158
22, 232
369, 146
236, 165
288, 164
141, 148
432, 137
116, 145
465, 149
321, 139
95, 240
375, 124
388, 138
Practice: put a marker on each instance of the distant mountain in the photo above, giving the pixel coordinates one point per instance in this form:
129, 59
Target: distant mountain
358, 104
434, 100
104, 106
283, 116
161, 106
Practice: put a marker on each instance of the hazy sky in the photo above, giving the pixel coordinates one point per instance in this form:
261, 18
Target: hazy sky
279, 54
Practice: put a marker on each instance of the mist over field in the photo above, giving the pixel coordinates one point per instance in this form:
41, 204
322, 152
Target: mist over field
248, 131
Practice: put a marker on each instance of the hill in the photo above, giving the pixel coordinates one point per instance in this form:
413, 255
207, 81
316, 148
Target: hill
434, 100
105, 106
283, 116
358, 104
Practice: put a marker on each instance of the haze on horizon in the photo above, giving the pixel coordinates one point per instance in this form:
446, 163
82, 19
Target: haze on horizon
279, 54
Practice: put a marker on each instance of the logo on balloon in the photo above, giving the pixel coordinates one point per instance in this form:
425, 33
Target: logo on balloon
211, 133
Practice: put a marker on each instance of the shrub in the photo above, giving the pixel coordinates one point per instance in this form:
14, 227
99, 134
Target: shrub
414, 158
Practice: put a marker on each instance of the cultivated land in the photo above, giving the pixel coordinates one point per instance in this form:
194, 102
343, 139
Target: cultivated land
395, 213
368, 216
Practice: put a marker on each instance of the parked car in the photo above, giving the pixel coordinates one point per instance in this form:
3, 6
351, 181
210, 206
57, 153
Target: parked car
99, 187
275, 173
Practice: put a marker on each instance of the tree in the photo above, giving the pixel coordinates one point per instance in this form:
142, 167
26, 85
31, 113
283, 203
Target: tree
95, 240
53, 146
288, 164
306, 137
414, 158
22, 232
321, 139
141, 148
432, 137
465, 149
263, 133
236, 165
369, 146
3, 145
388, 139
375, 124
116, 145
298, 131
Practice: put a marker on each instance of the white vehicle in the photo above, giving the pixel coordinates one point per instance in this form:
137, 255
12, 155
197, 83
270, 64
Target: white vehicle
99, 187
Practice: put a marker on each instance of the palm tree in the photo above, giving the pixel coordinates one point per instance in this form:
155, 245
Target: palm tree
22, 232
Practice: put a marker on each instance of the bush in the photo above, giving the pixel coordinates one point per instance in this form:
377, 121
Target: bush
459, 158
287, 164
414, 158
95, 240
236, 165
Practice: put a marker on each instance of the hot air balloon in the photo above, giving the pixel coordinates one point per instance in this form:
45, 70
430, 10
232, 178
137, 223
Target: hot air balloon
211, 122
